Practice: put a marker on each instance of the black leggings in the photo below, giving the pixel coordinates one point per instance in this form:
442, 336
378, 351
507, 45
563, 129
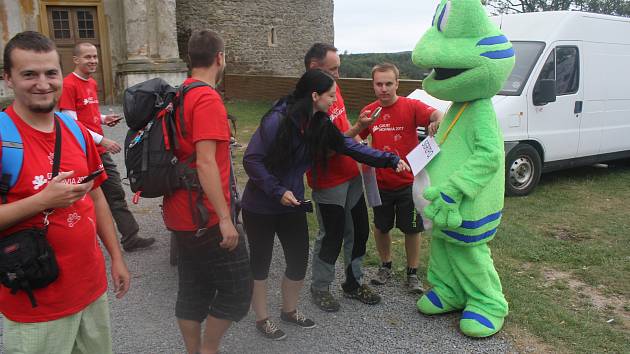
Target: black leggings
292, 231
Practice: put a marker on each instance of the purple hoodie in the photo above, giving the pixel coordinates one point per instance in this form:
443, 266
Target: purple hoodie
264, 189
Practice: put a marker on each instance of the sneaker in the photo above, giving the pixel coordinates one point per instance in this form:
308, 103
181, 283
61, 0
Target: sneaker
324, 300
270, 330
297, 318
414, 285
383, 275
365, 294
136, 243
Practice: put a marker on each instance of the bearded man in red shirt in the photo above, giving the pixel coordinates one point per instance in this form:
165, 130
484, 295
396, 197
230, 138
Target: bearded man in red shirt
338, 195
72, 312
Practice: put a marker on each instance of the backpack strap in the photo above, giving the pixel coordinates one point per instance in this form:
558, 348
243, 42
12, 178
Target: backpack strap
181, 93
200, 213
12, 154
13, 150
235, 198
73, 126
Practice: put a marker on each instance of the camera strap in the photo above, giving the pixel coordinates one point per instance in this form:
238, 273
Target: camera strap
56, 164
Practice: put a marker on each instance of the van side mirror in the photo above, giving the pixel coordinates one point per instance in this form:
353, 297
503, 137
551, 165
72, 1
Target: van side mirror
545, 92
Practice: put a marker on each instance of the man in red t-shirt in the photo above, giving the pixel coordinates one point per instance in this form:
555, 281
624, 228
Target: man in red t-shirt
215, 282
80, 101
395, 130
341, 210
71, 312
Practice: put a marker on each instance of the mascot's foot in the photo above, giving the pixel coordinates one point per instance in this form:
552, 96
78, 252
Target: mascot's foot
475, 324
430, 304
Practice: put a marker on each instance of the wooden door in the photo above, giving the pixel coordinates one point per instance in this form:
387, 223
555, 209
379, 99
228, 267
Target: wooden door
69, 26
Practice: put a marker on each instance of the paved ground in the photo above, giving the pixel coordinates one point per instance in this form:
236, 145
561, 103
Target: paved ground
144, 322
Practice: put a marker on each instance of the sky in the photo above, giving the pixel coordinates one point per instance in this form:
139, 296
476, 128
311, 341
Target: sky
381, 26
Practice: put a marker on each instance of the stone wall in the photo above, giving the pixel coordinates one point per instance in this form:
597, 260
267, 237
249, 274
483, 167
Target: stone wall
248, 27
356, 92
151, 44
15, 17
115, 22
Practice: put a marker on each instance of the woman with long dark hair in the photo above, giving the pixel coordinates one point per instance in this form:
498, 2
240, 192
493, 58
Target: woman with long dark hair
292, 136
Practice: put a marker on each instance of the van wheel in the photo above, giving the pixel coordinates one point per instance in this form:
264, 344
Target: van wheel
522, 170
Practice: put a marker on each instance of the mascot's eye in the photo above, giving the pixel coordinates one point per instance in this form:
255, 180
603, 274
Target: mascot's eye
435, 14
443, 19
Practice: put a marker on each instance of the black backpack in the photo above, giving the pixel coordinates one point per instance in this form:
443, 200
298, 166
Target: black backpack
153, 169
142, 102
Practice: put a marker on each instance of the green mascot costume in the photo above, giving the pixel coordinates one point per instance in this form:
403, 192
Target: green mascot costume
471, 59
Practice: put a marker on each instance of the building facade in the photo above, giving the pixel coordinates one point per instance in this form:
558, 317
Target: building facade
262, 37
142, 39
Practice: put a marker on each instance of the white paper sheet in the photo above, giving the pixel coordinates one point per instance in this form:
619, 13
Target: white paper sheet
423, 153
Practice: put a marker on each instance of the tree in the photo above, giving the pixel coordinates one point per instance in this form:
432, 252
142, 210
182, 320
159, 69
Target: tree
610, 7
360, 65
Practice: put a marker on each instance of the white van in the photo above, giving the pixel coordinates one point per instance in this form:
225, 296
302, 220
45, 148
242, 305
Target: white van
567, 101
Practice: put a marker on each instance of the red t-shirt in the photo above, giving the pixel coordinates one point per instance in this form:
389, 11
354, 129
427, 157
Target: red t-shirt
395, 131
81, 95
341, 168
205, 118
71, 233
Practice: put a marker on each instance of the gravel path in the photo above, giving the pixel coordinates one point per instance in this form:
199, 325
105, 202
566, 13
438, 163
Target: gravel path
144, 322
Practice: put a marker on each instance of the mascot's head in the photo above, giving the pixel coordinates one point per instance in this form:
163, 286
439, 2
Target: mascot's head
470, 57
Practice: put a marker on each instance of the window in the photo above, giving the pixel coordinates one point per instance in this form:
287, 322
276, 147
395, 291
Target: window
61, 24
549, 70
567, 70
527, 54
563, 65
85, 24
273, 41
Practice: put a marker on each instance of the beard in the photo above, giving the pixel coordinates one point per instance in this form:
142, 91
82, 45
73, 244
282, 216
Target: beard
43, 107
219, 77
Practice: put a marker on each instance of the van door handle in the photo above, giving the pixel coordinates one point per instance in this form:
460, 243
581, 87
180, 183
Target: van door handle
578, 107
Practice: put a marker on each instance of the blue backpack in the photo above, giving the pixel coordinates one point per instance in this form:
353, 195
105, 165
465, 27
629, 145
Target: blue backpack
13, 152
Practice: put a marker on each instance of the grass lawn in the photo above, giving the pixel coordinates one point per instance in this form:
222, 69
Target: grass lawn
563, 254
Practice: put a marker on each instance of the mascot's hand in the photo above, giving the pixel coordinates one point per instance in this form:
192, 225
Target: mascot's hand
444, 207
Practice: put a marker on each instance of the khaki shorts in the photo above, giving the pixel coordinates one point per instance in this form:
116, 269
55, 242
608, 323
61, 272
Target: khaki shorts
87, 331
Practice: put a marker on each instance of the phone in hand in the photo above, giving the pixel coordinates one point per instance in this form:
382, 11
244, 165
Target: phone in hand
91, 176
115, 121
376, 113
306, 205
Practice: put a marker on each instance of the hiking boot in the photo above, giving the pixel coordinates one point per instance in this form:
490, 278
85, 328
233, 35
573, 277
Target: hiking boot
382, 276
136, 243
414, 285
324, 300
297, 318
365, 294
270, 330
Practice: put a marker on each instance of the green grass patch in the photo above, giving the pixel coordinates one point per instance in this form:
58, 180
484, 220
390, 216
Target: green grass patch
576, 224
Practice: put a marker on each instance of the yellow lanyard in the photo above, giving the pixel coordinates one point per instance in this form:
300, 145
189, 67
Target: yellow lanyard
450, 127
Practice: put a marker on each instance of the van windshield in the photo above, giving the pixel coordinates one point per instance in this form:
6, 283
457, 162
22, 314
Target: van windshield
527, 54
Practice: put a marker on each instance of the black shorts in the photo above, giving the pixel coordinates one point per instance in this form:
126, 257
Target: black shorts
398, 205
212, 280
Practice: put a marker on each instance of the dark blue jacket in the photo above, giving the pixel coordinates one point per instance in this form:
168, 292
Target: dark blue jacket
264, 189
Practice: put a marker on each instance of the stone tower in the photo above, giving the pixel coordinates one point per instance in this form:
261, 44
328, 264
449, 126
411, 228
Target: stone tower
262, 36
